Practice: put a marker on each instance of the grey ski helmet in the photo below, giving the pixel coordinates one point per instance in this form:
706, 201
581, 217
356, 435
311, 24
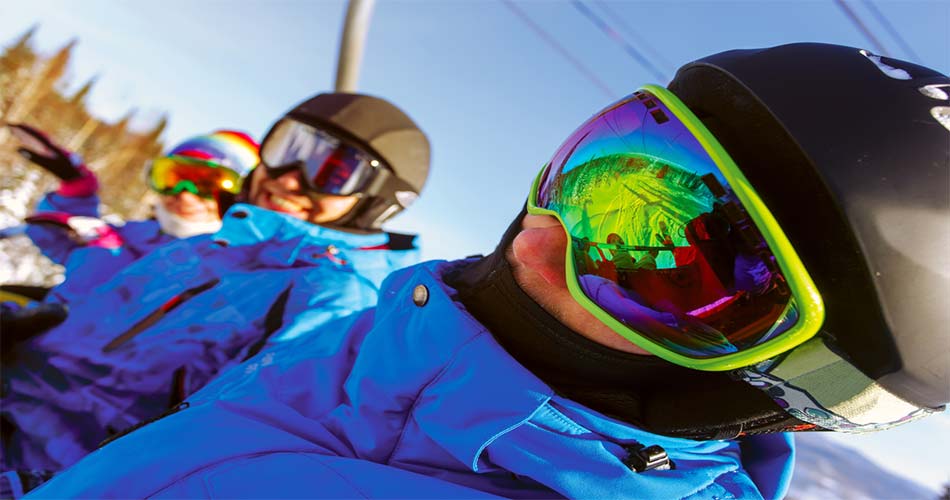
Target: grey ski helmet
382, 130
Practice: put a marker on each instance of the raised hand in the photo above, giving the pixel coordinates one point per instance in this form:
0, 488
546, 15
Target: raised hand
77, 180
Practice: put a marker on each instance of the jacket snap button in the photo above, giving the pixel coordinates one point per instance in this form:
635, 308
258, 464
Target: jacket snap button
420, 295
239, 214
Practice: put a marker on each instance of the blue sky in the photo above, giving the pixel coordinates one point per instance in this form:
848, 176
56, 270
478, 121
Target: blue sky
494, 98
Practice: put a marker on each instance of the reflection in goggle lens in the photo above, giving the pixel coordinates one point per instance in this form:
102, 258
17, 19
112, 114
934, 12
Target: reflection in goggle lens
327, 164
170, 176
659, 239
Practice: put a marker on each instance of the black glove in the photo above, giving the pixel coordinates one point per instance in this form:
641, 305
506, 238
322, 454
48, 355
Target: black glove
19, 324
39, 149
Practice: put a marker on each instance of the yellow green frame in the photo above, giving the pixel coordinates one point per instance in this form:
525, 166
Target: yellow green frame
811, 308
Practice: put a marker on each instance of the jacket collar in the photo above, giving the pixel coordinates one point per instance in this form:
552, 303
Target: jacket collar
456, 411
279, 239
452, 408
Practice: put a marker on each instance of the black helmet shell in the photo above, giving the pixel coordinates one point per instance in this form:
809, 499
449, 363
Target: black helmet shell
846, 150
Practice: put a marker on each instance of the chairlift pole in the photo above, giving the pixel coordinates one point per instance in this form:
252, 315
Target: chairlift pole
355, 26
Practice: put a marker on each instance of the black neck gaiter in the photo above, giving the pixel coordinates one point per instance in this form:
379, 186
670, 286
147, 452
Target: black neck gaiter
645, 391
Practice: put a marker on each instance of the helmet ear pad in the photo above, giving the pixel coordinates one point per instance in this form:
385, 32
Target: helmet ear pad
788, 182
384, 198
226, 200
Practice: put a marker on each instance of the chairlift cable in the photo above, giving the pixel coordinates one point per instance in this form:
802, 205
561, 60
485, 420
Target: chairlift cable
858, 23
881, 18
638, 40
618, 38
553, 43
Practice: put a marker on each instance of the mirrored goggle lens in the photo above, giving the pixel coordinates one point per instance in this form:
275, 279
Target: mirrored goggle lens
659, 239
328, 165
170, 175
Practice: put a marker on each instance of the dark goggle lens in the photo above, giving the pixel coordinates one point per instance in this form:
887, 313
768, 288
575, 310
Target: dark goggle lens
327, 164
171, 175
659, 239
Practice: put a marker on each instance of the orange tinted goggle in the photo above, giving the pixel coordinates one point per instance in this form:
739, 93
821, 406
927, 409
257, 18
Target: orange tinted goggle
173, 175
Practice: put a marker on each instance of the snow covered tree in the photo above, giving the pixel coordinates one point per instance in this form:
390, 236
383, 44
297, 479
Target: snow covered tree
34, 90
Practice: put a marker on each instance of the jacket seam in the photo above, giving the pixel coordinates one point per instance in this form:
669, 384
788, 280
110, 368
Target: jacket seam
310, 456
216, 463
489, 441
564, 419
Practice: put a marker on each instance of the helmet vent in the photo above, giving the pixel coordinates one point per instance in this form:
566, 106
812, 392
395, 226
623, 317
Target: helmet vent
936, 91
942, 115
659, 116
890, 71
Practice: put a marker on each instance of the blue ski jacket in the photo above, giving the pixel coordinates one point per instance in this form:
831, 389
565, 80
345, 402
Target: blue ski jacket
418, 385
88, 263
166, 324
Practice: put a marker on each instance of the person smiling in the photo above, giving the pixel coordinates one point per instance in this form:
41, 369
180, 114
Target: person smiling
344, 161
537, 372
300, 243
188, 180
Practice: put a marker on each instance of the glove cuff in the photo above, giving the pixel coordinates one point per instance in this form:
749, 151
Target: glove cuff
85, 185
106, 237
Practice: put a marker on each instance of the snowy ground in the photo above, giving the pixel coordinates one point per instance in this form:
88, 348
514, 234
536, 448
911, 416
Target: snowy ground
20, 261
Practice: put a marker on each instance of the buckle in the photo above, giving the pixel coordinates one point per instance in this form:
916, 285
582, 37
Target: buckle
643, 458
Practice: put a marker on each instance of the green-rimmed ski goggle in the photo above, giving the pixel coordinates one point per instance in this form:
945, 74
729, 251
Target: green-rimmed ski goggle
669, 245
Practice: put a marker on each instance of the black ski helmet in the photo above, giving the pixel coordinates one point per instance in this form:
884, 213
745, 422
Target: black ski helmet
383, 130
851, 153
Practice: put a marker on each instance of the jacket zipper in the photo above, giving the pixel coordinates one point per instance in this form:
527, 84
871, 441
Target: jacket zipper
158, 314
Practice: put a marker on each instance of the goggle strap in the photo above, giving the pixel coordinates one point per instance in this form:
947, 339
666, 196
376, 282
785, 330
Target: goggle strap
816, 385
385, 182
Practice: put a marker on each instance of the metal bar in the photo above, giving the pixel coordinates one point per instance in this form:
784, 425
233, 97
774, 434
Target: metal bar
358, 13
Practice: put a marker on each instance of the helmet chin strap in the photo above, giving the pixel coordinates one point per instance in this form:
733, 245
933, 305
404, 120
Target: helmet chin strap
179, 227
367, 216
